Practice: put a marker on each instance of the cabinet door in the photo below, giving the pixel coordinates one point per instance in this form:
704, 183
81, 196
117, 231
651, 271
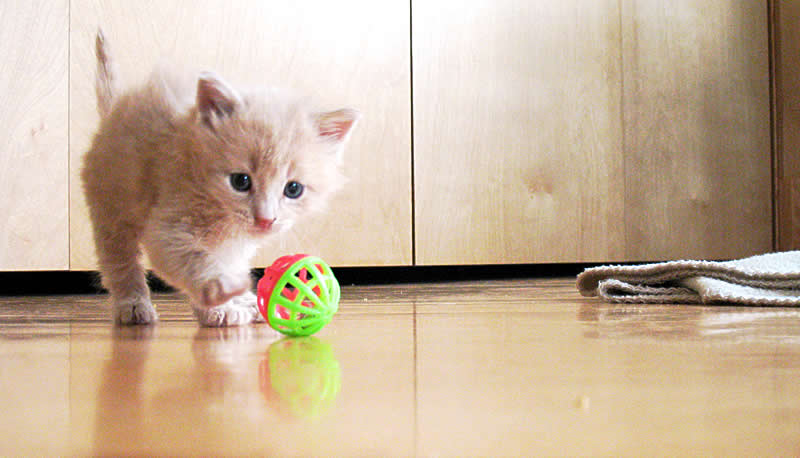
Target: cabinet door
787, 122
34, 226
697, 134
517, 131
345, 53
590, 131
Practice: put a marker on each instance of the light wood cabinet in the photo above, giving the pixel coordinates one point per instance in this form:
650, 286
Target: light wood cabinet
573, 131
34, 193
345, 53
698, 170
517, 131
786, 85
590, 131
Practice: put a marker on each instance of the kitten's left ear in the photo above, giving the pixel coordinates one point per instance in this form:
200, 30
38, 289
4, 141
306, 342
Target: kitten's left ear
215, 98
336, 126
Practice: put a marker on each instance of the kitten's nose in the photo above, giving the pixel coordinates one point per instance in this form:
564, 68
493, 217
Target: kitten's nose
264, 223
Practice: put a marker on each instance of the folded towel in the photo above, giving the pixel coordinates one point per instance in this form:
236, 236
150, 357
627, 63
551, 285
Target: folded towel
769, 279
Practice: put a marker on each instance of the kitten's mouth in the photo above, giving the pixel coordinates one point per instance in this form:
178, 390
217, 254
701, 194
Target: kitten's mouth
263, 224
258, 230
263, 227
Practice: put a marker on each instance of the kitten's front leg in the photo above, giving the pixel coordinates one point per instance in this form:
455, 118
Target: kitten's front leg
217, 280
237, 311
222, 289
226, 300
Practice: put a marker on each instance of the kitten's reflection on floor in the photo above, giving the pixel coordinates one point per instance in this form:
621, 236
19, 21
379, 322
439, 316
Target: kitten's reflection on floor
149, 393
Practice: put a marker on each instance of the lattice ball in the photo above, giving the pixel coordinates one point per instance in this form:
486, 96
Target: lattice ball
298, 295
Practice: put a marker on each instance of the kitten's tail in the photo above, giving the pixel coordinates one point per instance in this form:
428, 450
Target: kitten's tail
105, 83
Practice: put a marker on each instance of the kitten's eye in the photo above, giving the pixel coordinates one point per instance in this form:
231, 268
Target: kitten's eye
293, 190
240, 182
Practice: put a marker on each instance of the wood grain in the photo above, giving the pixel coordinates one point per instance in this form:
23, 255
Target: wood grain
351, 53
34, 227
590, 131
696, 129
787, 117
488, 368
517, 135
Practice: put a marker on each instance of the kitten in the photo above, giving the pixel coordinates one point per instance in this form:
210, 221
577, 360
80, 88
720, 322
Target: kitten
198, 176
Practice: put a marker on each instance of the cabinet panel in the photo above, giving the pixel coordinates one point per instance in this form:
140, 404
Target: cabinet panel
697, 146
517, 131
33, 157
590, 131
786, 14
347, 53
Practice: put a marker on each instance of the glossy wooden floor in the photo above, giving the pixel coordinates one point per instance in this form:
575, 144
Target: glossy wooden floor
468, 369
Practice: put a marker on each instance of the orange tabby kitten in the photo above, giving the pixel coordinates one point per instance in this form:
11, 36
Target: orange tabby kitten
198, 176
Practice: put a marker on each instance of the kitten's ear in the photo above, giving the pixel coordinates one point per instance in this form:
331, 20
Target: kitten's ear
336, 126
215, 98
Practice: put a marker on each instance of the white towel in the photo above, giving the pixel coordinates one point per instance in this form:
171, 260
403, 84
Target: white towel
770, 279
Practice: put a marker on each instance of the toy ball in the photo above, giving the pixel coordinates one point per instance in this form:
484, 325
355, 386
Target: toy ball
298, 295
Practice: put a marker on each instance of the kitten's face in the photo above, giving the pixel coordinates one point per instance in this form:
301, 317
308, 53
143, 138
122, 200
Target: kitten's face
260, 162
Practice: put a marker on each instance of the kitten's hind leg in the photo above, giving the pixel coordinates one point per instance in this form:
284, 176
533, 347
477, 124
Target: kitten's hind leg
123, 275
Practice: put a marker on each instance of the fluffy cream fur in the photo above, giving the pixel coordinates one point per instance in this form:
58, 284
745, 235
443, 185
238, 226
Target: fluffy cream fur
159, 176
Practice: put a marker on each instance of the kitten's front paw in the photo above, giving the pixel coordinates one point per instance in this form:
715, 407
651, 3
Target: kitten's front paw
221, 290
249, 300
134, 311
229, 314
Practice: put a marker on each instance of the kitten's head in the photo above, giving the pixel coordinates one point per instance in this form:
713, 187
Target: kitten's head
260, 160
